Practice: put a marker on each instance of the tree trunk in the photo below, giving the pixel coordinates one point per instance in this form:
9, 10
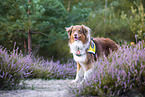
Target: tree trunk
29, 42
29, 33
105, 9
68, 8
25, 46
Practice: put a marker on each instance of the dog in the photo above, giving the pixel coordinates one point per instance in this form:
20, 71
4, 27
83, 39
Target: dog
86, 50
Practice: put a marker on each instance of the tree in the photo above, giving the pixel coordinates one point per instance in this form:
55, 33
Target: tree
44, 19
9, 12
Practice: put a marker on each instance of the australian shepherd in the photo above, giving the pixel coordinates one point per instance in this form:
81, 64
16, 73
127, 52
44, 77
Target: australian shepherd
87, 50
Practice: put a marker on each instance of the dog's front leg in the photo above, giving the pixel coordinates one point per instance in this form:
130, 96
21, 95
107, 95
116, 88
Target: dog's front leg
78, 67
87, 75
80, 73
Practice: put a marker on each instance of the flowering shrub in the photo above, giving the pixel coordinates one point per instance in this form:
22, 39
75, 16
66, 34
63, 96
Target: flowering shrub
116, 74
15, 67
52, 70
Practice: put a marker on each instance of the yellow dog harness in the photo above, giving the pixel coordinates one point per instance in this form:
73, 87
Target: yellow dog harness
92, 48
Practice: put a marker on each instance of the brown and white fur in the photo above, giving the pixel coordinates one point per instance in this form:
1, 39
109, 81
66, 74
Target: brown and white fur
80, 39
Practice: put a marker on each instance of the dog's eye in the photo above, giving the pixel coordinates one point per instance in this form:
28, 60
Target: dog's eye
80, 31
74, 30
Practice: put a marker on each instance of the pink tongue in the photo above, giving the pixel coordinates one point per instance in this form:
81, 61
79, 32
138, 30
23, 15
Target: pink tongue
75, 39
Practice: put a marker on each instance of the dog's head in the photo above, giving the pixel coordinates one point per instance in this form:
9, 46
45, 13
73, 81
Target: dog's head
78, 33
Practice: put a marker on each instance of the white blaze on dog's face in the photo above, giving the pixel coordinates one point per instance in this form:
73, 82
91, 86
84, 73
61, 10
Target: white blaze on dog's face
78, 33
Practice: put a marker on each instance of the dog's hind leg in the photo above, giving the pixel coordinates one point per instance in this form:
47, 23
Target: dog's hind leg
87, 74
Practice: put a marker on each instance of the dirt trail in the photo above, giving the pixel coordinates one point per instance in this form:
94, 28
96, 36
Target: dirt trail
41, 88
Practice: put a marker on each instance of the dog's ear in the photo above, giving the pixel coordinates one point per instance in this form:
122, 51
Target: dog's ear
69, 30
85, 29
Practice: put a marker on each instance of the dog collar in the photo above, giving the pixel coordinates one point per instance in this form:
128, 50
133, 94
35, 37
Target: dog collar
78, 53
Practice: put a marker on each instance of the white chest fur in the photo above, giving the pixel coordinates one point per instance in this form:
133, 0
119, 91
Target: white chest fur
80, 59
79, 46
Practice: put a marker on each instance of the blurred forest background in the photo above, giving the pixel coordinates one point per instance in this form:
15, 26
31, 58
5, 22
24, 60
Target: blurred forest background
38, 26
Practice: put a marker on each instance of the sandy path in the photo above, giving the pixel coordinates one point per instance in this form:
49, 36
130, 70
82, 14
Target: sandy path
41, 88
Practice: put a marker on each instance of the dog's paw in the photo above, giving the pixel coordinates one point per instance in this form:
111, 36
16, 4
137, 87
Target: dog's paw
74, 81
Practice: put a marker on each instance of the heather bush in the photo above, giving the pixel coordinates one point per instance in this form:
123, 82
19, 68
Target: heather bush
13, 68
52, 70
116, 75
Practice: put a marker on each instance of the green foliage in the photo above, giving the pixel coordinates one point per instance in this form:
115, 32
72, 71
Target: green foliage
78, 14
117, 21
109, 26
136, 21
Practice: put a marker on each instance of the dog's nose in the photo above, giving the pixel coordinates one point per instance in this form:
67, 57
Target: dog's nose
75, 35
